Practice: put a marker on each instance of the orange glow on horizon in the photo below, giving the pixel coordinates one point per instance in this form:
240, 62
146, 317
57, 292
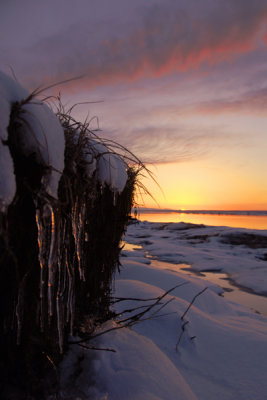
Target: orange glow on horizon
198, 186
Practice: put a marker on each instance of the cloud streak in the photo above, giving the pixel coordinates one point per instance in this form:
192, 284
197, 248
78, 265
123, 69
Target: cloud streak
157, 40
253, 102
158, 145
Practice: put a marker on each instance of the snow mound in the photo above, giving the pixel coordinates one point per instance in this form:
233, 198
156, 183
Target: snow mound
108, 167
40, 134
139, 370
41, 137
10, 92
221, 353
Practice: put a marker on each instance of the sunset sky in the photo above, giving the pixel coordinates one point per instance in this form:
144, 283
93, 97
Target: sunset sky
181, 83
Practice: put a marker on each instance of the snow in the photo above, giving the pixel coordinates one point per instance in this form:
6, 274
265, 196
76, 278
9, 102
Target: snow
44, 136
140, 371
7, 177
218, 350
41, 134
112, 171
10, 92
222, 352
204, 249
110, 168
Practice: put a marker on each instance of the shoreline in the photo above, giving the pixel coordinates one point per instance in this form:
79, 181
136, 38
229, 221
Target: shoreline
214, 254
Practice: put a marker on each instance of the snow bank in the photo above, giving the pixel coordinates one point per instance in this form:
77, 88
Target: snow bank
139, 370
222, 353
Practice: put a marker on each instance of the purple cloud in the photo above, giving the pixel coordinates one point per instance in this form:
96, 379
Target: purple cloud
119, 45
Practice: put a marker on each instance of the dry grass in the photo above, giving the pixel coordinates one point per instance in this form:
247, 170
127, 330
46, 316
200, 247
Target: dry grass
58, 256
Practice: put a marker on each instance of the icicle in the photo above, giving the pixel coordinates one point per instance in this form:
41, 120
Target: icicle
72, 313
19, 313
41, 245
66, 282
70, 299
60, 290
19, 323
70, 295
51, 275
74, 227
115, 196
77, 229
59, 322
61, 261
19, 307
80, 240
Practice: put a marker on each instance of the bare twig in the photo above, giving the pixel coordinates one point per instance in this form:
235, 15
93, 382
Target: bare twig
119, 299
96, 348
164, 305
139, 315
181, 334
187, 322
87, 338
41, 89
127, 311
134, 319
193, 300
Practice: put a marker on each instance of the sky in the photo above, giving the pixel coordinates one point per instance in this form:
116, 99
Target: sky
181, 83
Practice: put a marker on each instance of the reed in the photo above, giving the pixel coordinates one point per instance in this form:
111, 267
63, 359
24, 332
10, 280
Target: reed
58, 256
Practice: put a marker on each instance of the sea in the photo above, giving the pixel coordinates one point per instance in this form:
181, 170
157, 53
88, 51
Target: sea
234, 219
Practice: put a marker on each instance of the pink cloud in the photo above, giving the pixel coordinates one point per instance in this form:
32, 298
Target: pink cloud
162, 38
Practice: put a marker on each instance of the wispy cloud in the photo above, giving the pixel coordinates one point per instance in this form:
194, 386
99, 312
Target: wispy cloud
253, 102
159, 145
156, 40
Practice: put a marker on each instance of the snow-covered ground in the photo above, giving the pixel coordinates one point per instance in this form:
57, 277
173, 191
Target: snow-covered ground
238, 252
218, 350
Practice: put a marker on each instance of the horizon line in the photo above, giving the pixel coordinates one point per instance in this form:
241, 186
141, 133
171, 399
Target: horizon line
201, 211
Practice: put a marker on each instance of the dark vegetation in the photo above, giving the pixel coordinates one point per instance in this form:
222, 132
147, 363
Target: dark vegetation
57, 260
